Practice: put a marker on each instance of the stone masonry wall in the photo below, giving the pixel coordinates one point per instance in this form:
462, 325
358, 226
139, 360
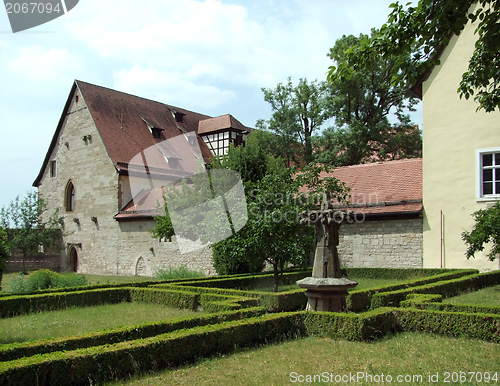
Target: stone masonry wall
382, 243
102, 244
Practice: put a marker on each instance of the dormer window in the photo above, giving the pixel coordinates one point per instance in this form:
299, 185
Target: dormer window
153, 127
179, 117
156, 132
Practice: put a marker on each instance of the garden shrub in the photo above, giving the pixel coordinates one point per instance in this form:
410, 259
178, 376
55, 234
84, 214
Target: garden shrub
44, 279
121, 334
24, 304
168, 297
447, 288
173, 273
458, 324
122, 360
433, 303
361, 300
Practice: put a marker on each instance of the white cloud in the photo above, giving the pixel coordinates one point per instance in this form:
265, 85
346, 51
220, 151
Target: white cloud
172, 88
41, 63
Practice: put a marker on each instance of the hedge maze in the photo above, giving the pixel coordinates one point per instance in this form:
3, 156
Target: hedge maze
236, 315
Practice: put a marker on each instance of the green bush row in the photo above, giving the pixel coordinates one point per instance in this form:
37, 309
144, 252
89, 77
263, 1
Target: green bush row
350, 326
361, 300
249, 282
433, 303
171, 298
458, 324
217, 303
447, 288
274, 302
14, 351
19, 304
393, 273
24, 304
121, 360
108, 362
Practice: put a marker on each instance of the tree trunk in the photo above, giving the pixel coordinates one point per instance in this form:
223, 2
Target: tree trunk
276, 278
24, 262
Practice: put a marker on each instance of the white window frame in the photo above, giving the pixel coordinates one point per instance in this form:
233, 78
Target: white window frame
479, 175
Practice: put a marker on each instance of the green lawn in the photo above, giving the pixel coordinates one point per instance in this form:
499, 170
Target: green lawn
407, 354
77, 321
489, 296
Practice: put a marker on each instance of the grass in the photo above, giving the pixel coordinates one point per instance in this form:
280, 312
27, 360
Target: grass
489, 296
406, 354
78, 321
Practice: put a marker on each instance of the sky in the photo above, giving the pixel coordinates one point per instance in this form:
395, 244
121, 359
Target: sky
212, 57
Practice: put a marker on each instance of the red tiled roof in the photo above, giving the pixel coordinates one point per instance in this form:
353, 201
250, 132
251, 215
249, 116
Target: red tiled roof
121, 120
144, 205
384, 187
219, 123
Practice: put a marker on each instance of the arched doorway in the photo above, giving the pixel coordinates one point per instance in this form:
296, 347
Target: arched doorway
73, 259
140, 267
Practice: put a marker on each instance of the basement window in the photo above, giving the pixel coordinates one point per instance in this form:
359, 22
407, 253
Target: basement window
488, 170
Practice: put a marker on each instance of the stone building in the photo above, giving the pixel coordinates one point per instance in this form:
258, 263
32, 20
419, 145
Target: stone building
386, 200
111, 153
108, 146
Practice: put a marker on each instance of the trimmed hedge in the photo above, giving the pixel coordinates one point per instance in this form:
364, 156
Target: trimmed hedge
446, 288
109, 362
394, 273
24, 304
249, 282
361, 300
283, 301
366, 326
459, 324
14, 351
167, 297
217, 303
433, 303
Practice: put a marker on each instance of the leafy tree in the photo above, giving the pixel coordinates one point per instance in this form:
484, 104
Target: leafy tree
361, 104
298, 111
253, 160
273, 234
24, 229
415, 35
485, 230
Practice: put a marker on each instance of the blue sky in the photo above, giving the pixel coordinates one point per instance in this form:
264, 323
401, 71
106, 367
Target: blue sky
209, 56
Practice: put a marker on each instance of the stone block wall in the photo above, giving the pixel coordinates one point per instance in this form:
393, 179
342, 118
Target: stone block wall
382, 243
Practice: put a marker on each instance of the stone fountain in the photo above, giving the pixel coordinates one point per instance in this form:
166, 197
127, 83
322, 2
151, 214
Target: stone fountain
326, 289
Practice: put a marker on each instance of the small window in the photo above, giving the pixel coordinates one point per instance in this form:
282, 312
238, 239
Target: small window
70, 197
156, 132
53, 168
489, 173
179, 117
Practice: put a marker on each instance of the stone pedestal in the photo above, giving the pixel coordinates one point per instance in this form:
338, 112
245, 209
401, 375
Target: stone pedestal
326, 289
326, 294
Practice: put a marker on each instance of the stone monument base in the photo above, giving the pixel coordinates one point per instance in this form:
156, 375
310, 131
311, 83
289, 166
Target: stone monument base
326, 294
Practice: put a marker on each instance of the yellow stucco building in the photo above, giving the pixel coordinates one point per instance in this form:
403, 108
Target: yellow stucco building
461, 160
